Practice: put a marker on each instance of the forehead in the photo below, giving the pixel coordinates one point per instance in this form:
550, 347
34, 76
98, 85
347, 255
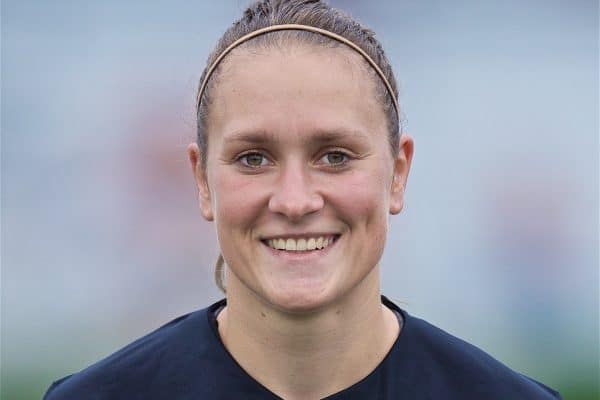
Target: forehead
296, 89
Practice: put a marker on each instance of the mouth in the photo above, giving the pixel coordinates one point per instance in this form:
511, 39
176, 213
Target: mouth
301, 245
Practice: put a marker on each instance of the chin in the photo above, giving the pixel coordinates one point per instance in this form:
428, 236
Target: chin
300, 300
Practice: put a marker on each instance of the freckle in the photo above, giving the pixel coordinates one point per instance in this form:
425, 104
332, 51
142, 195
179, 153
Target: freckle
262, 314
337, 312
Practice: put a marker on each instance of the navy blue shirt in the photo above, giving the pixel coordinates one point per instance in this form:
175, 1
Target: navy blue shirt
186, 359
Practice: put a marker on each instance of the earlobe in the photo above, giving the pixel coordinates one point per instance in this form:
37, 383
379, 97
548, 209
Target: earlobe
397, 200
401, 169
204, 197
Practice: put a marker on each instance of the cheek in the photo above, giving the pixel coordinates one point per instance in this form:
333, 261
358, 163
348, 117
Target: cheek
237, 199
360, 200
362, 196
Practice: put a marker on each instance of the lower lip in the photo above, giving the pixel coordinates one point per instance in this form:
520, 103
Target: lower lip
305, 255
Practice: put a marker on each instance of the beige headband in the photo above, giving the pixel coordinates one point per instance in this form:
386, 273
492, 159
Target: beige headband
299, 28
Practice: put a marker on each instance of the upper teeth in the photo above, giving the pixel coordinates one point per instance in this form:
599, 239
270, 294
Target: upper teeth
300, 244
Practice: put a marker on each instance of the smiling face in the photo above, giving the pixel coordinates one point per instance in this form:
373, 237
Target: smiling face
299, 178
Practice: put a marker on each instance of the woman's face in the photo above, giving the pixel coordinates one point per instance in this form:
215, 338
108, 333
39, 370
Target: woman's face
300, 178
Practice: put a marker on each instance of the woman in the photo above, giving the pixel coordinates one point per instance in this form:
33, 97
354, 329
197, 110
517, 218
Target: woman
299, 162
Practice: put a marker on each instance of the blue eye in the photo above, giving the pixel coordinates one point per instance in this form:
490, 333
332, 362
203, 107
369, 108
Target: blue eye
253, 160
335, 158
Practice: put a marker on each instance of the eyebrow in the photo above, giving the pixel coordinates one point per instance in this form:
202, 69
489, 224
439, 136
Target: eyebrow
320, 136
252, 137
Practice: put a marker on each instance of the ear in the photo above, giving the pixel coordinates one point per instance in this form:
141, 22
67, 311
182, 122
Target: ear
204, 196
401, 169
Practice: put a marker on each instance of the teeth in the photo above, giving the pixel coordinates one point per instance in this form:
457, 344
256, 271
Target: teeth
301, 244
290, 244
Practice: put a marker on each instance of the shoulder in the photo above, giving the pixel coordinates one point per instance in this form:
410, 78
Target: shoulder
158, 358
453, 368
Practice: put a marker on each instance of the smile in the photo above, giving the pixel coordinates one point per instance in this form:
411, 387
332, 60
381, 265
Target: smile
301, 244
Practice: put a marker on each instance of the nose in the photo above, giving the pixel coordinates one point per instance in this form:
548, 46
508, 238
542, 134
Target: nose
295, 195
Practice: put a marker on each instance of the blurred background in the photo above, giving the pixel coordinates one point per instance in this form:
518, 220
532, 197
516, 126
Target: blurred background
102, 239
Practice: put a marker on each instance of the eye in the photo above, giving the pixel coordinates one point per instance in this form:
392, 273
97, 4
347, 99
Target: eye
253, 160
335, 158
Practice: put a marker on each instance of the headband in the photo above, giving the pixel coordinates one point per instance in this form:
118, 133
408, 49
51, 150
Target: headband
297, 27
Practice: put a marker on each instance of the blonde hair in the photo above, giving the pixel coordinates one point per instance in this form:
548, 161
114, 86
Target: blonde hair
312, 13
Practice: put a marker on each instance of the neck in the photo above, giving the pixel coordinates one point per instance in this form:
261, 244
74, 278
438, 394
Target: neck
309, 355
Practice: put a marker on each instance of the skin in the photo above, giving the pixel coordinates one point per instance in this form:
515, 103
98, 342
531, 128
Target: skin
304, 325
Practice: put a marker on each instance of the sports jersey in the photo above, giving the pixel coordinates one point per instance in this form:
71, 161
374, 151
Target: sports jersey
186, 359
